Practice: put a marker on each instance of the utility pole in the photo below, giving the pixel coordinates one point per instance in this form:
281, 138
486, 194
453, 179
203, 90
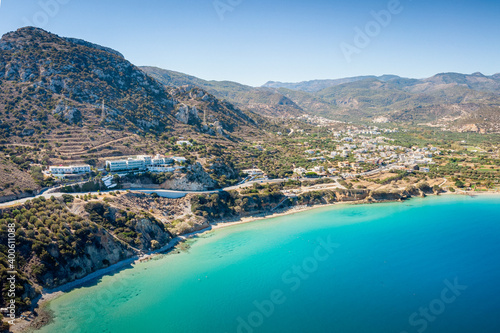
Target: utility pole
103, 111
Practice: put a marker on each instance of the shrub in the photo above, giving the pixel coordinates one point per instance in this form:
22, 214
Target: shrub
67, 198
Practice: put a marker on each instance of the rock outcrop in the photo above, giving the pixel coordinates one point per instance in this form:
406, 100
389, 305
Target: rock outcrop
187, 115
195, 179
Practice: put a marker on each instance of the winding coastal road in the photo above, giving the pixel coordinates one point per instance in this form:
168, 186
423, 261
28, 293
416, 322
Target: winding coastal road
160, 192
172, 194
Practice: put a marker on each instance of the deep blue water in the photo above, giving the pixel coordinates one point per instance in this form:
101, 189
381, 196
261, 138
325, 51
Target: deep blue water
425, 265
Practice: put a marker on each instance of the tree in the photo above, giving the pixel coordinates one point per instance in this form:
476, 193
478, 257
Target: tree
67, 198
155, 244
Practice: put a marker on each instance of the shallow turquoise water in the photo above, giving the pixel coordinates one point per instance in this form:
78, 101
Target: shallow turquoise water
428, 265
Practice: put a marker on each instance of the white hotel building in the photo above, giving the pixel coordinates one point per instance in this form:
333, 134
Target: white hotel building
69, 170
140, 163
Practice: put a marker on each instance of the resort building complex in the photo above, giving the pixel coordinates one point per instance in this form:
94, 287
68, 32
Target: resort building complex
156, 163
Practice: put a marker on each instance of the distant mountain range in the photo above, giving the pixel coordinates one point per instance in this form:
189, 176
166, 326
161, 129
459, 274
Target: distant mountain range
449, 100
317, 85
47, 79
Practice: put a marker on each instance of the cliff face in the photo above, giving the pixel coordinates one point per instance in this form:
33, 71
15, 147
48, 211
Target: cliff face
350, 195
388, 196
105, 251
187, 115
329, 197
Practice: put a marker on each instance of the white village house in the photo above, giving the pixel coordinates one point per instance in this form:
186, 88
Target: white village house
183, 142
253, 172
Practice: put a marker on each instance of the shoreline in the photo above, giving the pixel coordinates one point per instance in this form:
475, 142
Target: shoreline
24, 325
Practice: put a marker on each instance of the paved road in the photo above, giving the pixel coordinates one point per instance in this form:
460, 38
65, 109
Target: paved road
170, 193
163, 193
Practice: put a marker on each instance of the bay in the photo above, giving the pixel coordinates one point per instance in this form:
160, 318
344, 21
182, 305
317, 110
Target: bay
430, 264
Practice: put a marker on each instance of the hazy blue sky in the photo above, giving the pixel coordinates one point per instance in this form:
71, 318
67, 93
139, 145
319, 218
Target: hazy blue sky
253, 41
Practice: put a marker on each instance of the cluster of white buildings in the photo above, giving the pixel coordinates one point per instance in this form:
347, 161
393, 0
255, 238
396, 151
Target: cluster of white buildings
156, 163
377, 151
317, 120
371, 150
373, 130
391, 154
319, 170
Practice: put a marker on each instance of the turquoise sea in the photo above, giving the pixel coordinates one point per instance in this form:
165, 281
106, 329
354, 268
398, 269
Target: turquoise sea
425, 265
